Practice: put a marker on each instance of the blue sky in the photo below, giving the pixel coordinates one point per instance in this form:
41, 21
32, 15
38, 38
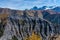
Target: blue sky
27, 4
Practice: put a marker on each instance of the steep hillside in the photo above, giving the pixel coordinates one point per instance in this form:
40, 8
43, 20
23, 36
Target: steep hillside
25, 24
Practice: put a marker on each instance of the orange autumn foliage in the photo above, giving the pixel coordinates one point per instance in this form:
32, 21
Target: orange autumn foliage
34, 37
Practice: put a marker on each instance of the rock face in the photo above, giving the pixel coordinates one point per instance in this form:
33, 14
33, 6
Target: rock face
18, 25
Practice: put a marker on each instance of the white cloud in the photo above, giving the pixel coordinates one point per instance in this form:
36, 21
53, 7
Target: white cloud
23, 4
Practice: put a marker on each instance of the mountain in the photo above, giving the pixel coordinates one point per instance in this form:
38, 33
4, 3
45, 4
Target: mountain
56, 9
25, 24
50, 13
46, 14
21, 25
51, 16
54, 18
36, 8
42, 8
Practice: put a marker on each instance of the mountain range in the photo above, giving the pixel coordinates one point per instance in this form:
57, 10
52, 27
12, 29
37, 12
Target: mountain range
42, 23
51, 14
56, 9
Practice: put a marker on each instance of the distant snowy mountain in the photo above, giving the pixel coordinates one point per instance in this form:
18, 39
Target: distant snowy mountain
56, 9
42, 8
34, 8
